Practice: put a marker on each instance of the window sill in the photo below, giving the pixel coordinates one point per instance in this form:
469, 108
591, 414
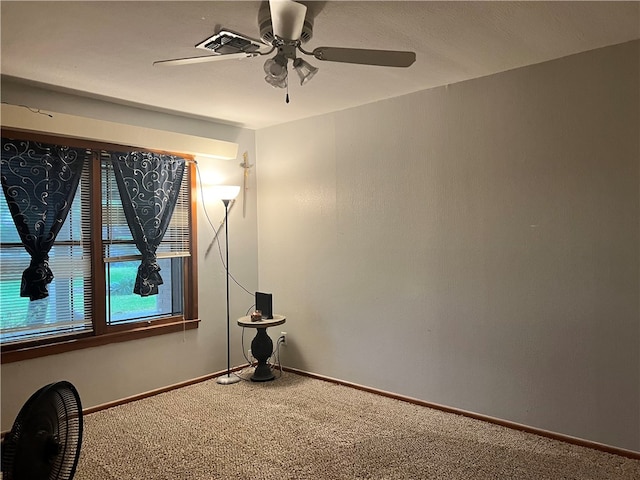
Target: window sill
68, 345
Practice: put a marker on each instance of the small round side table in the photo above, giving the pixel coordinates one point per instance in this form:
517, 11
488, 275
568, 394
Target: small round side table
262, 345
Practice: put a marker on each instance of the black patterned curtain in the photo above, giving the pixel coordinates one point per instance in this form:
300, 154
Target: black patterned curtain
39, 182
148, 184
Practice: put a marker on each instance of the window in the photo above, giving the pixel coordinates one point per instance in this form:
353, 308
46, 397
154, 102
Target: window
95, 262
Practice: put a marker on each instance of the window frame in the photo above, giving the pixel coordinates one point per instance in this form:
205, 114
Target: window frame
102, 333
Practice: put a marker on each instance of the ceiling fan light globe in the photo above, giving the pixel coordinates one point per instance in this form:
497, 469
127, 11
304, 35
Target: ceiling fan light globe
305, 70
275, 69
275, 82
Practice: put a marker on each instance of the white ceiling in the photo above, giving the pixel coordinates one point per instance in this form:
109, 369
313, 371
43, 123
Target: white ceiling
106, 49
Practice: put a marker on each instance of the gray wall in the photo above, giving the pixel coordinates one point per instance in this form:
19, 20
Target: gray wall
475, 245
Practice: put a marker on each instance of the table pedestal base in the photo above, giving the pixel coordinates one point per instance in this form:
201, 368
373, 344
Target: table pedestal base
261, 349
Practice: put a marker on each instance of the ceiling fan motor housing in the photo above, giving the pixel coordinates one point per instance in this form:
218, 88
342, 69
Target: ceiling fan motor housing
266, 29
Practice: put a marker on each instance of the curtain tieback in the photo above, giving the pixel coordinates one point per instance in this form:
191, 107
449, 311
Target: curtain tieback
36, 278
148, 277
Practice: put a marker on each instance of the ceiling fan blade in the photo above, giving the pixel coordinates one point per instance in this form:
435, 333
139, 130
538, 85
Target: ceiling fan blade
206, 58
287, 18
384, 58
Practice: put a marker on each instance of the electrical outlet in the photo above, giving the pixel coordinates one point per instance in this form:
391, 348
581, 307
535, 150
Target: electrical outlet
283, 335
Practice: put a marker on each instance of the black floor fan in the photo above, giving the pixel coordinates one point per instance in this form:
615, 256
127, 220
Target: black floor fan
44, 443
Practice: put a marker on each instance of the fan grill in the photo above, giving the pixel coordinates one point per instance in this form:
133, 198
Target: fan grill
44, 443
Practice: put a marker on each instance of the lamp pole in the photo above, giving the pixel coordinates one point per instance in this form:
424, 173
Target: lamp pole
227, 379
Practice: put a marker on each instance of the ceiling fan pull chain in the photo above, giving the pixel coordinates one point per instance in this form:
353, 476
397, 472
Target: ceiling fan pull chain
287, 96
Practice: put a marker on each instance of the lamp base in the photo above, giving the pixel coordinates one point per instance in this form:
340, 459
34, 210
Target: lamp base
228, 379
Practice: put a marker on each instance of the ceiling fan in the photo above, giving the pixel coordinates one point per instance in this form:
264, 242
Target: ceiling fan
284, 27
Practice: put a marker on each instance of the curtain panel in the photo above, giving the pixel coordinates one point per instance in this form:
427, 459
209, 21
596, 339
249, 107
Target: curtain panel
149, 185
39, 182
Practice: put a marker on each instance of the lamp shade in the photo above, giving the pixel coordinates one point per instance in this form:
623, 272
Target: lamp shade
225, 192
305, 70
276, 67
276, 70
274, 82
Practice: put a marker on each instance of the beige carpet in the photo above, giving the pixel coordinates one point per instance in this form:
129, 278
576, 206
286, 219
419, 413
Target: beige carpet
301, 428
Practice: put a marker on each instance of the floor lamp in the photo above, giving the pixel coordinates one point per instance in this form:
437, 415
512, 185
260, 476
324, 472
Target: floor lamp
226, 194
